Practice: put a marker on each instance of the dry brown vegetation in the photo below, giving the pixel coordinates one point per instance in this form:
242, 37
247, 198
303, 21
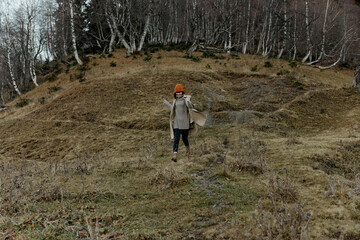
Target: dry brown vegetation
277, 158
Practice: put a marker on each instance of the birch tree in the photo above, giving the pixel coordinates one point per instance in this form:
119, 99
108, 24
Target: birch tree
73, 35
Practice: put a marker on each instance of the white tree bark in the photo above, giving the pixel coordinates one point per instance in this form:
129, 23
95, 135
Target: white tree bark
8, 48
294, 33
31, 36
284, 31
146, 28
308, 41
247, 28
73, 36
2, 94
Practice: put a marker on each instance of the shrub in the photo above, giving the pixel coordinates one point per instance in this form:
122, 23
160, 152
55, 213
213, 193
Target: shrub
159, 56
54, 89
254, 68
268, 64
154, 49
42, 100
168, 177
298, 84
195, 59
23, 102
95, 64
51, 77
113, 64
110, 55
212, 55
208, 66
83, 68
208, 55
57, 124
293, 64
70, 59
134, 57
248, 156
235, 56
147, 58
281, 223
282, 72
282, 189
80, 77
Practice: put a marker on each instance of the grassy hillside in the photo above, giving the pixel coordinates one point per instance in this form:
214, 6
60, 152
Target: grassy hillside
87, 153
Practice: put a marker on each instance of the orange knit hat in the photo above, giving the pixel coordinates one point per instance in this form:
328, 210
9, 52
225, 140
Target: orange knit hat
178, 88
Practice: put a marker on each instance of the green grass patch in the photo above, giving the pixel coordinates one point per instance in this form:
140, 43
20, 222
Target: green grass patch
268, 64
22, 102
54, 89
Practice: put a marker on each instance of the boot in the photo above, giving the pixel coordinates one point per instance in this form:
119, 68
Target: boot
174, 158
188, 151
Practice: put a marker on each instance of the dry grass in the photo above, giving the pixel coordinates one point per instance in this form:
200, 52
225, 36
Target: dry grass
248, 155
285, 222
100, 150
168, 177
281, 188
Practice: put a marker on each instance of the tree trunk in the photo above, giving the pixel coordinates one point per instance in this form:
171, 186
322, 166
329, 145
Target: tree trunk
308, 41
247, 28
2, 94
146, 28
8, 47
284, 31
73, 36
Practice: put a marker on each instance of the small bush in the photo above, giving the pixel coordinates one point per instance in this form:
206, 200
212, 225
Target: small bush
67, 69
110, 55
268, 64
249, 155
51, 77
281, 223
159, 56
70, 59
147, 58
58, 71
23, 102
254, 68
113, 64
168, 177
102, 56
54, 89
282, 72
298, 85
195, 59
80, 77
208, 55
282, 189
154, 49
235, 56
57, 124
208, 66
95, 64
134, 57
292, 139
83, 68
293, 64
212, 55
42, 100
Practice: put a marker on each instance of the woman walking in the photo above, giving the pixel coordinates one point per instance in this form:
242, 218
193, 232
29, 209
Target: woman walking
183, 119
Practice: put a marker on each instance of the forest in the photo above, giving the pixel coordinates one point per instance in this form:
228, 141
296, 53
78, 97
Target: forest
321, 33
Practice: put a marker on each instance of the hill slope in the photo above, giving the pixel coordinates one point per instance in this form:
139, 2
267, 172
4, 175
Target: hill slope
99, 149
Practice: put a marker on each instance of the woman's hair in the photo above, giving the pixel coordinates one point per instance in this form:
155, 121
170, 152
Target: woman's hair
175, 94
